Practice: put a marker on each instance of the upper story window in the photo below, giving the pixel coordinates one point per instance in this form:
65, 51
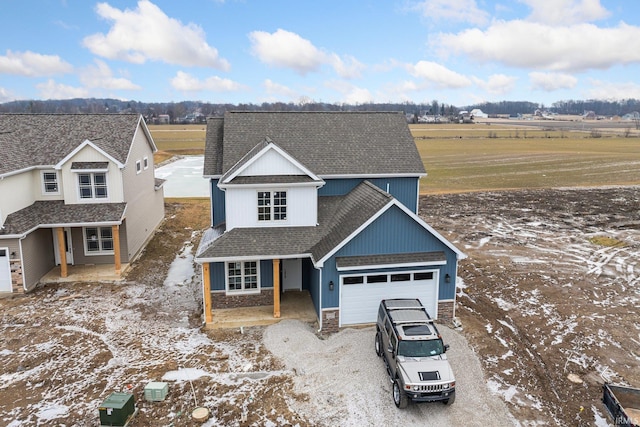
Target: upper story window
138, 166
145, 162
92, 185
272, 205
50, 182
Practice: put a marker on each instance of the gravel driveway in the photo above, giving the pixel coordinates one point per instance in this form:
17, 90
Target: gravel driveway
347, 383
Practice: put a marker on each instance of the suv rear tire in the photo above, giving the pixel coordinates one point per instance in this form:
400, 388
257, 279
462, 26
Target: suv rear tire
399, 397
379, 344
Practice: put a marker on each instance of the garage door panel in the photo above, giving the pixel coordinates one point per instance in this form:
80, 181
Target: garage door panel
360, 302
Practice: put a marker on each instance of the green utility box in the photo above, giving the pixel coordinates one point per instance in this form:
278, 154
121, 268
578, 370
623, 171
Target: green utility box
117, 409
156, 391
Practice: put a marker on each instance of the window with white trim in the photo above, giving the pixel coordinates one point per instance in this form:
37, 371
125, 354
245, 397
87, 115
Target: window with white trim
272, 205
242, 276
98, 240
145, 162
138, 166
50, 182
92, 185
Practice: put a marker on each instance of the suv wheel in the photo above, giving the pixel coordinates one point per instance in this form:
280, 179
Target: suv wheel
450, 400
399, 396
379, 344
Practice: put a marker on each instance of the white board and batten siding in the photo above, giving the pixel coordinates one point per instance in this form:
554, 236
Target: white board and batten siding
242, 207
359, 302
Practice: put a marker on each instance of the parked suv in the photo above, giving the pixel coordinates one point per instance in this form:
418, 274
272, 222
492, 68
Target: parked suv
414, 354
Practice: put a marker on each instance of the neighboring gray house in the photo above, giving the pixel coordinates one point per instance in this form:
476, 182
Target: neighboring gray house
74, 189
324, 202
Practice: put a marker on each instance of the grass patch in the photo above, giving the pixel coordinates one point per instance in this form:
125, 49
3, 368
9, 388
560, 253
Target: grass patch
574, 160
606, 241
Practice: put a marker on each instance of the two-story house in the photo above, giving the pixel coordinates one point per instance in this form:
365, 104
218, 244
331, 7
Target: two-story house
75, 189
324, 202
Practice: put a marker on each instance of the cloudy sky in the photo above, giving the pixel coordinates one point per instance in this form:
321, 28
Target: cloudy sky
457, 52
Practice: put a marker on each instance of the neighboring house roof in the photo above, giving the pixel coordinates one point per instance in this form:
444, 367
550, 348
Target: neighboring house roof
46, 214
33, 140
327, 143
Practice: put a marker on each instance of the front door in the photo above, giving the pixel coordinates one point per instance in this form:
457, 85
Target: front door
5, 271
67, 245
291, 274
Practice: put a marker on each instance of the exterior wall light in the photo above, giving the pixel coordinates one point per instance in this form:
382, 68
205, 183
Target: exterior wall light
330, 285
447, 278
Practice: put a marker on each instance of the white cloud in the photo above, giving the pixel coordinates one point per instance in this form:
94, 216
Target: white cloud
565, 12
351, 94
100, 76
277, 89
5, 95
53, 90
32, 64
613, 91
285, 49
438, 75
549, 82
497, 84
533, 45
453, 10
347, 67
188, 83
147, 33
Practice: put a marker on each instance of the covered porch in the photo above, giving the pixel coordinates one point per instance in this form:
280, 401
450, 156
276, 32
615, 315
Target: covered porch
86, 273
294, 305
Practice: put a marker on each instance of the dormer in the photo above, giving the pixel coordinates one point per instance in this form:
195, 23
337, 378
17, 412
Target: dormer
270, 188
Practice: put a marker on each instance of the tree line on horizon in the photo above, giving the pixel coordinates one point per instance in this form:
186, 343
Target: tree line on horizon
179, 110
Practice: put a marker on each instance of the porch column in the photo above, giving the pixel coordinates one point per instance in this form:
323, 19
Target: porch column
62, 250
206, 280
115, 230
276, 288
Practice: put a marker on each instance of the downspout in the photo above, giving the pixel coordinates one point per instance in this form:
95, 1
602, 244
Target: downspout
320, 302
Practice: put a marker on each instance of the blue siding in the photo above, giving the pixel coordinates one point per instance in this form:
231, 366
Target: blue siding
217, 275
217, 204
311, 282
405, 190
394, 232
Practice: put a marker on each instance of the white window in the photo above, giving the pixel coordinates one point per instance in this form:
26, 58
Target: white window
92, 185
98, 240
138, 166
50, 182
272, 205
145, 162
242, 277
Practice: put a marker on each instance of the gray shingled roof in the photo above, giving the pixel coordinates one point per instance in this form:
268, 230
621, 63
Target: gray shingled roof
28, 140
328, 143
57, 213
338, 217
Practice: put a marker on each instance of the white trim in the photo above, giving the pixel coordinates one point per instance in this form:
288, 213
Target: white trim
270, 146
272, 206
227, 291
145, 162
138, 167
89, 253
373, 175
400, 265
43, 186
92, 145
8, 269
416, 218
92, 175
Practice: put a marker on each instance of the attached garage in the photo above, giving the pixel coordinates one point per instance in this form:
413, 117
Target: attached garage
361, 293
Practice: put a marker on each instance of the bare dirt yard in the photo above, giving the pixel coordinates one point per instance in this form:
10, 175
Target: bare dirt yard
548, 300
549, 295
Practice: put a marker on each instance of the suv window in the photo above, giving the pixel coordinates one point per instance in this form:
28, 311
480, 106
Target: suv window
420, 348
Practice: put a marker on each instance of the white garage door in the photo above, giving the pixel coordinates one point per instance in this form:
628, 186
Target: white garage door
5, 271
361, 294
